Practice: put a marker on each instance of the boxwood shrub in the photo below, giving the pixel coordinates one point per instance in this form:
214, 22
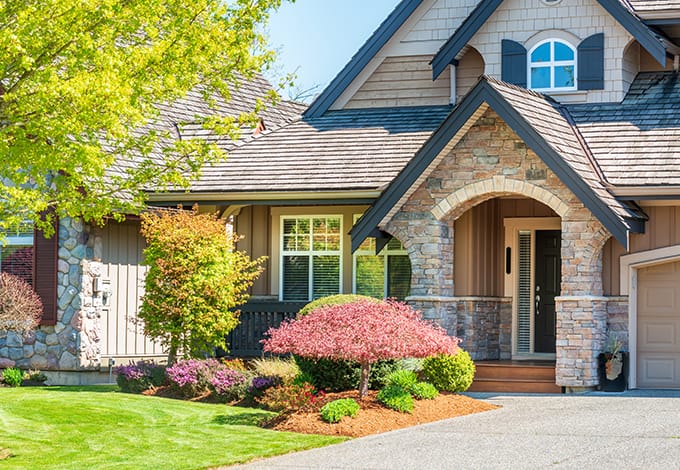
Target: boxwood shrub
451, 373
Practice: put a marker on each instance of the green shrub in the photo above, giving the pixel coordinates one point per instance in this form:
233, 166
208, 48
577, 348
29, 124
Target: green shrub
411, 363
338, 299
402, 378
334, 411
451, 373
337, 376
12, 376
35, 377
396, 398
423, 391
286, 369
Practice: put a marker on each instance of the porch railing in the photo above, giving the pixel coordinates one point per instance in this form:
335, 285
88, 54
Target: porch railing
256, 318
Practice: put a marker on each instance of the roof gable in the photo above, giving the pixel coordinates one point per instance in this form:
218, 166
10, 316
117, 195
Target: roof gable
540, 125
357, 63
448, 52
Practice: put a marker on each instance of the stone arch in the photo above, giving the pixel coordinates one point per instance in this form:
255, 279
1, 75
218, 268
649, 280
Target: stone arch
459, 201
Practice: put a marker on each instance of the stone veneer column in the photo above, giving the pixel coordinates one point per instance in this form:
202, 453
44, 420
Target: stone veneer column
581, 309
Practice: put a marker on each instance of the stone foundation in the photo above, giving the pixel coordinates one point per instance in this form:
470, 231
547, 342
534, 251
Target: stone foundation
484, 324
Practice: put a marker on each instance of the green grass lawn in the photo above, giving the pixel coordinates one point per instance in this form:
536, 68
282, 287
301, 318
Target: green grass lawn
99, 427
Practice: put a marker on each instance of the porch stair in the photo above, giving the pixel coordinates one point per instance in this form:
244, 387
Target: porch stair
515, 377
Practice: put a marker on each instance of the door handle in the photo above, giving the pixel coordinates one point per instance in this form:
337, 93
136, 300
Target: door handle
537, 298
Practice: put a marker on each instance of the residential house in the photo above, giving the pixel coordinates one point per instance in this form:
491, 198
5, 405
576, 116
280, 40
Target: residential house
516, 160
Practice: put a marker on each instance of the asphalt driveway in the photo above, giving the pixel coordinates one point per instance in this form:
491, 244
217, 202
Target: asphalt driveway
628, 430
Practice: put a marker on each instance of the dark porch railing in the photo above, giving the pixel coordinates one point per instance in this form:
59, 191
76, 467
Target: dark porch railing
256, 318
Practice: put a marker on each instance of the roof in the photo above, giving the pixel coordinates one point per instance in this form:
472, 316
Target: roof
648, 6
636, 142
378, 39
342, 150
619, 9
542, 124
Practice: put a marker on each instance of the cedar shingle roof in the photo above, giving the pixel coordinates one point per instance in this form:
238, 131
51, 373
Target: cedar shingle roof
549, 120
636, 142
341, 150
650, 6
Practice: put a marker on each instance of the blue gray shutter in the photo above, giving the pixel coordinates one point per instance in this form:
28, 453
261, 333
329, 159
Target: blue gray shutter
591, 63
514, 63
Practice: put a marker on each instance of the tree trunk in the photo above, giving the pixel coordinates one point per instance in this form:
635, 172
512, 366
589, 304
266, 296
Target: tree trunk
172, 355
363, 384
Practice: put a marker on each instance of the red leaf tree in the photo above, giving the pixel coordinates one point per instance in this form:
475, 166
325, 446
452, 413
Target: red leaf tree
361, 331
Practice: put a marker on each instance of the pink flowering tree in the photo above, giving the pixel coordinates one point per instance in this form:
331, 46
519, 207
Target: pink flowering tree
362, 331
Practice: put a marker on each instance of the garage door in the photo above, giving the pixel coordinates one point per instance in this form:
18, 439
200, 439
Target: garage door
658, 343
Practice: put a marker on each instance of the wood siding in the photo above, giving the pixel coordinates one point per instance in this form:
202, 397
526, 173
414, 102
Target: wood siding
470, 68
253, 223
403, 81
479, 238
122, 257
662, 229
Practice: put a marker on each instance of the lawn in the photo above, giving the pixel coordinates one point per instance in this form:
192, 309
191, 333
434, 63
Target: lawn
99, 427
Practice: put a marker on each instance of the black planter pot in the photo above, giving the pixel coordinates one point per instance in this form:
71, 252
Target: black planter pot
619, 384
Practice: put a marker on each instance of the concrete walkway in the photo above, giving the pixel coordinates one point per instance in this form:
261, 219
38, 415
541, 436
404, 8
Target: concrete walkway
598, 431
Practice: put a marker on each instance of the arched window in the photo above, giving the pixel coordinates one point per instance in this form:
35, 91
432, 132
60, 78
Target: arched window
552, 66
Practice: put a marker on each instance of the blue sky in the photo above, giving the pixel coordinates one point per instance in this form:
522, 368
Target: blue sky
318, 37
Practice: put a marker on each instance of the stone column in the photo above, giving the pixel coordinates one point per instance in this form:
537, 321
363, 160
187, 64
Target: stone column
581, 309
87, 322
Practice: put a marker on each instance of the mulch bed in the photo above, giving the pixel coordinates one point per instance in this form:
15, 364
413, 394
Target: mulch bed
374, 418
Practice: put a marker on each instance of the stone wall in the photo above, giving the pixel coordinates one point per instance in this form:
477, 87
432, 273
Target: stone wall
72, 343
492, 161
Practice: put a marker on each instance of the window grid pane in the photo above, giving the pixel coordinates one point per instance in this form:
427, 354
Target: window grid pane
310, 257
370, 275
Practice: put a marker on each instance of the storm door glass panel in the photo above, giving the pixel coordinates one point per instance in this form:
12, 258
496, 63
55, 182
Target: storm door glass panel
524, 294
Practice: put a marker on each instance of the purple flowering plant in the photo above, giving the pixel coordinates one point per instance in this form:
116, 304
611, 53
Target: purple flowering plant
139, 376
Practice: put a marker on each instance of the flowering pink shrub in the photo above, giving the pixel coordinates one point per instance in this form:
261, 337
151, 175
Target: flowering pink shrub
140, 376
194, 377
291, 397
362, 331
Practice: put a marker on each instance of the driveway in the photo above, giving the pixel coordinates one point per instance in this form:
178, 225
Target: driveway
627, 430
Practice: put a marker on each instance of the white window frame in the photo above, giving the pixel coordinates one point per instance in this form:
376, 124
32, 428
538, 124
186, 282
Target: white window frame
552, 63
309, 253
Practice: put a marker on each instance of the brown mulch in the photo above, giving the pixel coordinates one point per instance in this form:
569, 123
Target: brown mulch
373, 418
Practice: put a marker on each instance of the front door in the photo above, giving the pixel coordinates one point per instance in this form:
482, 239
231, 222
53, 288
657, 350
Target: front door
546, 288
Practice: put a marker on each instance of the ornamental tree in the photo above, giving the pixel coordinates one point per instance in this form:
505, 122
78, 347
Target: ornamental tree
362, 331
79, 79
20, 306
196, 278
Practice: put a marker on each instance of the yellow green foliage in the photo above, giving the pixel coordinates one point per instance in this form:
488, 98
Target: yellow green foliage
79, 78
195, 281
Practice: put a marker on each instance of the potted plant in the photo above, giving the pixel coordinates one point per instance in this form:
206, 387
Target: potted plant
612, 365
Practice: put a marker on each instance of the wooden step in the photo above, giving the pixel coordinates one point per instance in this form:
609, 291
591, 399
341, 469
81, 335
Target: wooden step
514, 386
515, 376
499, 371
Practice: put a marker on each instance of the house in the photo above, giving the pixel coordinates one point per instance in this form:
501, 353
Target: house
514, 165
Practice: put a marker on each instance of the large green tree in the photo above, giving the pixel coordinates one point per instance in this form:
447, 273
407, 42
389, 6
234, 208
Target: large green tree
79, 85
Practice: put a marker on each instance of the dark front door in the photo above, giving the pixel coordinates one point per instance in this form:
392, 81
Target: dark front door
548, 277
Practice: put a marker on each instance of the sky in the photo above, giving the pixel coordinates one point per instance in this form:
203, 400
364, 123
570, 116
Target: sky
316, 38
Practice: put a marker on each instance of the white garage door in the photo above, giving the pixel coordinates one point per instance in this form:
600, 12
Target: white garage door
658, 329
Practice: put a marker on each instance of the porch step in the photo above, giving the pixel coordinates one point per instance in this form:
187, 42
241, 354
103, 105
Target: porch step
515, 376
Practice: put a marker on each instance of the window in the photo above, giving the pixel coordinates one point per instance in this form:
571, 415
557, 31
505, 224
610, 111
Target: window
387, 274
552, 66
311, 254
16, 255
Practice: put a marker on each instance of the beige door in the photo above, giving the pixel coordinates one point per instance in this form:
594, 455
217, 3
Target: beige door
658, 326
122, 337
